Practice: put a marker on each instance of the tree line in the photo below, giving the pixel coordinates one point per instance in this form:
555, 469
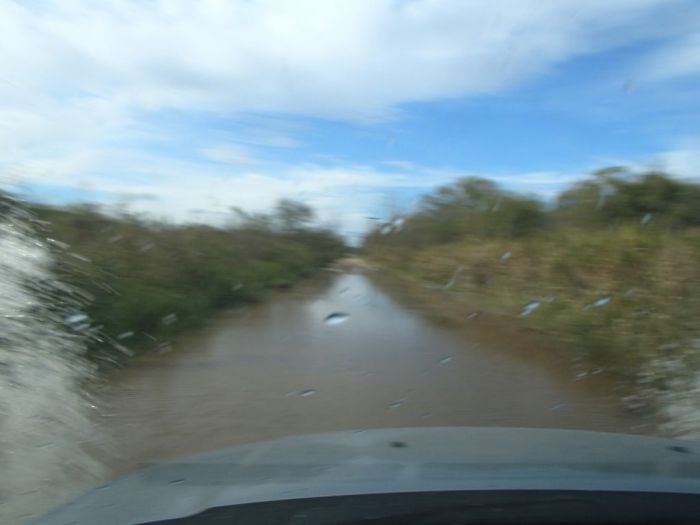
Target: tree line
476, 206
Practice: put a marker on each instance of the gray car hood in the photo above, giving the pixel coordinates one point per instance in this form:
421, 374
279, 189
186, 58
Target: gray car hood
390, 460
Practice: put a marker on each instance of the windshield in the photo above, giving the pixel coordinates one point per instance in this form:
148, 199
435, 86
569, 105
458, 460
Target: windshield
225, 222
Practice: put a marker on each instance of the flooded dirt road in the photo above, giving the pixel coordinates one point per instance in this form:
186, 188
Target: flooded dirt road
278, 369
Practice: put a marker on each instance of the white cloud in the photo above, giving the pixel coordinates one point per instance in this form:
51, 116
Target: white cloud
229, 154
680, 58
683, 162
270, 132
400, 164
82, 67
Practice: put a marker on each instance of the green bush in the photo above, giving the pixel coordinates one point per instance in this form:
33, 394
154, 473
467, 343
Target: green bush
149, 280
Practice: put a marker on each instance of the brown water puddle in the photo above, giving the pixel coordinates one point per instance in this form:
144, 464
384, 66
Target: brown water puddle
277, 369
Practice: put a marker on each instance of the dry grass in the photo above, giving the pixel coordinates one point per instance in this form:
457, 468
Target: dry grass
621, 298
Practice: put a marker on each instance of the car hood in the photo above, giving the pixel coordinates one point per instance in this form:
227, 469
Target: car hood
390, 460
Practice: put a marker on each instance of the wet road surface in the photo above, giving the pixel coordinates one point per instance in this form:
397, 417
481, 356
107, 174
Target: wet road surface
278, 369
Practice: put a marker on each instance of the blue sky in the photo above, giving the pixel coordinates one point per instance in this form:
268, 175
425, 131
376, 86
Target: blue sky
181, 109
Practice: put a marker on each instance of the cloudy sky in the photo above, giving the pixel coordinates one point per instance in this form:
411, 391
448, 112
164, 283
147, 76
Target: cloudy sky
183, 109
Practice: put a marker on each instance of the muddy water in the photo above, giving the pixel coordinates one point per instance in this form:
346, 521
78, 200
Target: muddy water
277, 369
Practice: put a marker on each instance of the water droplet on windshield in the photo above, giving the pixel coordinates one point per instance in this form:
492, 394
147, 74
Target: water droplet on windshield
58, 244
529, 308
80, 257
164, 347
678, 448
397, 403
76, 319
146, 246
601, 301
169, 319
308, 392
78, 322
667, 347
336, 318
445, 360
635, 403
452, 280
123, 349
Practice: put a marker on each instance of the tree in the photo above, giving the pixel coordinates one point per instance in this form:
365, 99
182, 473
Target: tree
615, 195
477, 206
292, 216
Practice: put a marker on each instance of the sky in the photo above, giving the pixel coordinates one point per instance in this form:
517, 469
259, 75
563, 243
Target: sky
183, 109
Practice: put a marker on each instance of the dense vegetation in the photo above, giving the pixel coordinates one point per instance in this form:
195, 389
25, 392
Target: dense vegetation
145, 280
611, 268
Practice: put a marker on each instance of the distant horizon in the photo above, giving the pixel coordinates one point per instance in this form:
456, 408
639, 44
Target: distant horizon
352, 107
393, 210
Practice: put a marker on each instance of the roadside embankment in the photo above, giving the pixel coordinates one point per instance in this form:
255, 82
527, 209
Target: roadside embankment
622, 301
